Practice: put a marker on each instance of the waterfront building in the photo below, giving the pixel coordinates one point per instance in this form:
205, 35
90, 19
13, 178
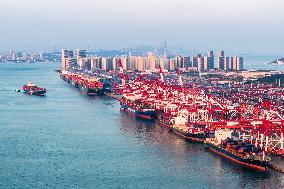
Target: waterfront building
186, 63
94, 63
208, 63
87, 63
210, 53
200, 63
139, 63
194, 62
210, 60
179, 61
124, 62
81, 62
220, 63
161, 62
226, 63
151, 62
115, 65
107, 63
172, 65
221, 54
81, 53
237, 63
66, 58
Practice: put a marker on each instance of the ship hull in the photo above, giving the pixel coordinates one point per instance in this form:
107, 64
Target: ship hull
141, 114
252, 164
189, 136
74, 84
90, 91
36, 93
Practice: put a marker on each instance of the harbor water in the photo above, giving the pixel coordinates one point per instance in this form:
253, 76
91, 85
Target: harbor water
69, 140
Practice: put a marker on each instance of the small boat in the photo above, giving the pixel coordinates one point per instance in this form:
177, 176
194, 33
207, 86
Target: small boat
31, 89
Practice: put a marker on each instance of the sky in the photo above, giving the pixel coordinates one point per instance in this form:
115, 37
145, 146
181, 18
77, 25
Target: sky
246, 26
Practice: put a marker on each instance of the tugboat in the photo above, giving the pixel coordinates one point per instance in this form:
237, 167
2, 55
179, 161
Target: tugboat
240, 152
31, 89
134, 106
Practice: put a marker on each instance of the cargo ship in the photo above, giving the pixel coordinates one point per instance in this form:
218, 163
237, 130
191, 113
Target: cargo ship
31, 89
88, 85
181, 127
240, 152
190, 133
91, 88
134, 106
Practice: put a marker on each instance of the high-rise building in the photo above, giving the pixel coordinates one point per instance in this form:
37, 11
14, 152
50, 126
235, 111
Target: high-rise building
221, 60
208, 63
124, 62
179, 61
186, 62
81, 53
220, 63
200, 63
107, 64
240, 63
161, 62
193, 61
221, 53
66, 58
226, 63
172, 64
151, 62
210, 53
87, 63
139, 63
96, 62
237, 63
81, 62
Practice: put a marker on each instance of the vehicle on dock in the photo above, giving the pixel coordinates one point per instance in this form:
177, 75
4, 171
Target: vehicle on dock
31, 89
240, 152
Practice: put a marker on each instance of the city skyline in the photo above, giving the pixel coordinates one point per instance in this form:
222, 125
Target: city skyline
236, 26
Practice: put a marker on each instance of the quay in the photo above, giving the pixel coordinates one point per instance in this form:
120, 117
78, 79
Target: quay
199, 109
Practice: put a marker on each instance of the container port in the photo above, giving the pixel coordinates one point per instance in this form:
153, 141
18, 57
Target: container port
237, 119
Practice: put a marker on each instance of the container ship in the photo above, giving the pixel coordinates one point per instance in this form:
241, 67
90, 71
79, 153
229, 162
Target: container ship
31, 89
242, 153
190, 133
88, 85
180, 126
92, 88
134, 106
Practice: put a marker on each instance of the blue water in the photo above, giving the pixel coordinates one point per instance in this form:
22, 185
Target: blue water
260, 62
68, 140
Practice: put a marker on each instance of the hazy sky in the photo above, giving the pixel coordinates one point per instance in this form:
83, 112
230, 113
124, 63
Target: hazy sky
235, 25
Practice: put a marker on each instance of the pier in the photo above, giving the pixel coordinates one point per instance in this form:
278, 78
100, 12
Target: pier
206, 105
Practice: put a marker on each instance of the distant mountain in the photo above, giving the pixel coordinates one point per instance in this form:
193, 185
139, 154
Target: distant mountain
107, 53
